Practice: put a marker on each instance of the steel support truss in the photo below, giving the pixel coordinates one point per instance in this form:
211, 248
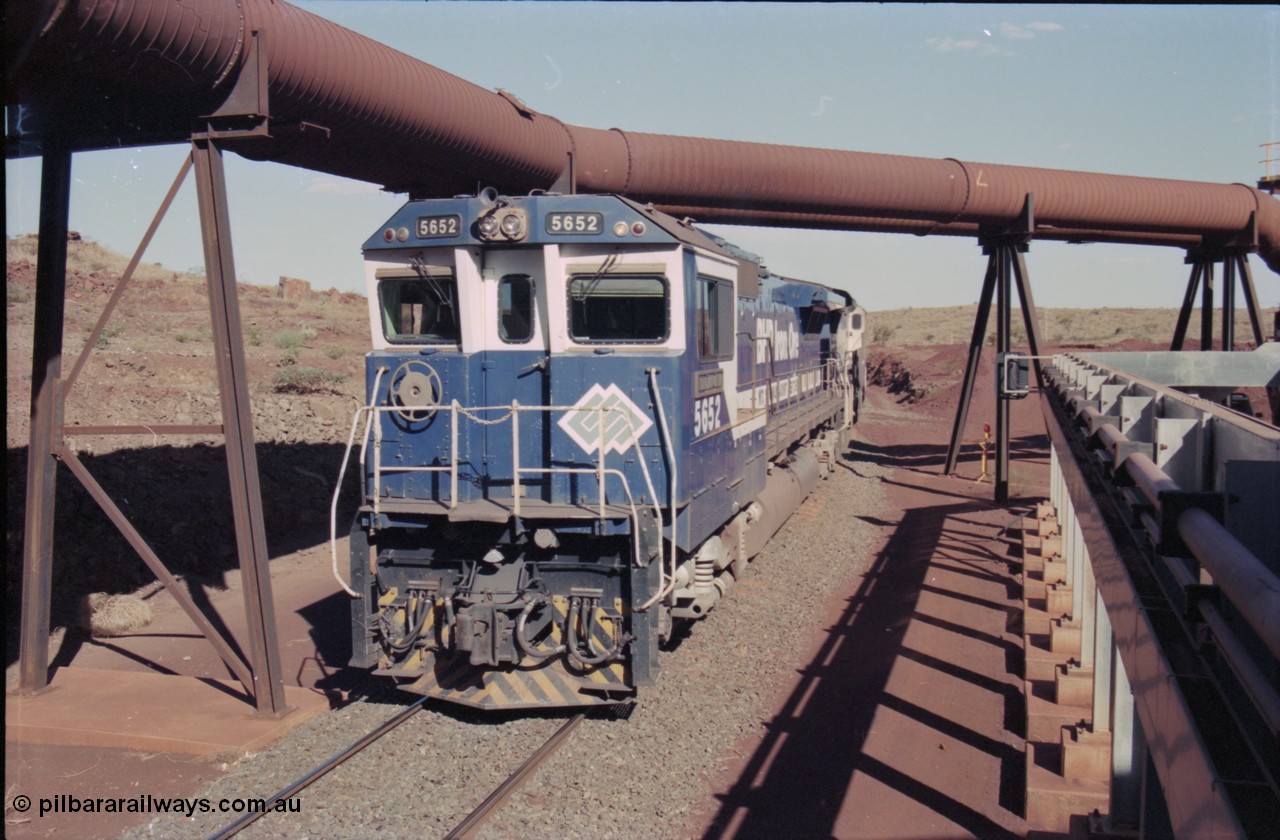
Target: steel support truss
1235, 264
1006, 270
260, 671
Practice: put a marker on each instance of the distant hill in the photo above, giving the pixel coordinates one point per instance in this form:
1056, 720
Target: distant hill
1098, 327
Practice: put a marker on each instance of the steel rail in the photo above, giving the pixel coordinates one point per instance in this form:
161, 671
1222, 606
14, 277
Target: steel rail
494, 800
322, 770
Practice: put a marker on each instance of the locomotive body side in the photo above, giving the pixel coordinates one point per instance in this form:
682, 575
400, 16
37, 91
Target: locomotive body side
582, 416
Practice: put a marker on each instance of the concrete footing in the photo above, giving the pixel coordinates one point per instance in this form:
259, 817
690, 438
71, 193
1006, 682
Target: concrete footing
150, 712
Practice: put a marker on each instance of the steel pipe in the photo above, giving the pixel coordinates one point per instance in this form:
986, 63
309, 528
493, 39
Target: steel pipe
396, 121
1109, 437
1261, 689
1251, 587
1149, 478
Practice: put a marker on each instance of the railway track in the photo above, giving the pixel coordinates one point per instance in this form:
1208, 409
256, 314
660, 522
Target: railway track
494, 801
322, 770
464, 829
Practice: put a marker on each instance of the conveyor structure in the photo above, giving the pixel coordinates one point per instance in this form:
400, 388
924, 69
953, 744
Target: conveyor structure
1167, 507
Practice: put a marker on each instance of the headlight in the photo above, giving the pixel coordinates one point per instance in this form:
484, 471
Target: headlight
512, 224
506, 224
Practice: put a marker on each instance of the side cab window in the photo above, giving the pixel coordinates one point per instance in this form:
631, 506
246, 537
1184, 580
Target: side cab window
714, 319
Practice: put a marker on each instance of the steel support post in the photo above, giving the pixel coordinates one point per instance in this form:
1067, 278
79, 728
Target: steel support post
1206, 307
1229, 303
1104, 657
1004, 320
1128, 752
1075, 570
1055, 479
1250, 298
1188, 304
1005, 269
1088, 606
46, 420
1030, 320
971, 367
242, 464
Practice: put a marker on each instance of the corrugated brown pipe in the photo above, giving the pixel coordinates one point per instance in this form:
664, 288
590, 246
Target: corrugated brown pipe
401, 123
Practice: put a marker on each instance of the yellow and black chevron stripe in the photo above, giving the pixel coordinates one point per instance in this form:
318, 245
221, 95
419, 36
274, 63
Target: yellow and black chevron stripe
554, 682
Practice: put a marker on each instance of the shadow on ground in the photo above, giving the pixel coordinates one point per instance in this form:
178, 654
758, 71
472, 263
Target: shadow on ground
796, 781
178, 499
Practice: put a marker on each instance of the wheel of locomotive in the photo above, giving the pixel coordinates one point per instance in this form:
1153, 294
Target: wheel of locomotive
416, 388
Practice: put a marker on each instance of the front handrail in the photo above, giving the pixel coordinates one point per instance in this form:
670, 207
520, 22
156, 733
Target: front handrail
511, 412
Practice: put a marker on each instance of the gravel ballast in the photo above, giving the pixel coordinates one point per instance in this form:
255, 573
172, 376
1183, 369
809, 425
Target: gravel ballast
648, 775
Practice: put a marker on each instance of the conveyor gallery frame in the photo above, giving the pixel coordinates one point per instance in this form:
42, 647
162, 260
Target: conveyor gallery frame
1190, 703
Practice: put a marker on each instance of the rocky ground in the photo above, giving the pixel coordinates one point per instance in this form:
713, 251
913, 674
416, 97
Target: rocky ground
152, 365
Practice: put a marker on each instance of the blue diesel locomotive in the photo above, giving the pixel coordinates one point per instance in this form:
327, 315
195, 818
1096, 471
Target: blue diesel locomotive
584, 417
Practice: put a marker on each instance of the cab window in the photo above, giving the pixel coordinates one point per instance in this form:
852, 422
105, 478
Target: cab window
515, 308
618, 308
421, 309
714, 319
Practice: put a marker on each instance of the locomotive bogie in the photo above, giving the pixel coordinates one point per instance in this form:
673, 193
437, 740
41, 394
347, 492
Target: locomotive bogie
583, 418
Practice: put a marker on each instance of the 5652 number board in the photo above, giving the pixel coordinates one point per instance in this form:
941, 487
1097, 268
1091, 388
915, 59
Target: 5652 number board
575, 223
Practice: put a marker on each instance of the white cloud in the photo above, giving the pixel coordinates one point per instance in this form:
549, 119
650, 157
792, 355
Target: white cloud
948, 44
1027, 31
1011, 31
341, 186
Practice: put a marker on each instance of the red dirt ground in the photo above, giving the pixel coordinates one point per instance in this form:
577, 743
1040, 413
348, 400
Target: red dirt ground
906, 722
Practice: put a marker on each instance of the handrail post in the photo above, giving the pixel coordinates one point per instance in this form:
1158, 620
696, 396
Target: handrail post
515, 457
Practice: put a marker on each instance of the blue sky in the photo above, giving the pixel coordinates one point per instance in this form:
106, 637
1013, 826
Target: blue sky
1163, 91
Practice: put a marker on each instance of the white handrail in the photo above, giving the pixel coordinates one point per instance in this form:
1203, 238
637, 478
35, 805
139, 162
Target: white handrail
342, 472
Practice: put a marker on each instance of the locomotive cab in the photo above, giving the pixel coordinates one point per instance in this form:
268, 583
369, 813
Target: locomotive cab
573, 408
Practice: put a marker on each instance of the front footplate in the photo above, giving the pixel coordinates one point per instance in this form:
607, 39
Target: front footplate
549, 685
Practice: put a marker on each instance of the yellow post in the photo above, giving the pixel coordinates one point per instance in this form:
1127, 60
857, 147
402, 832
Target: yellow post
986, 441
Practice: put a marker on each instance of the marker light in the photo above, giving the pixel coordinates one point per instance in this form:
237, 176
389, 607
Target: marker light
619, 228
638, 228
389, 235
403, 234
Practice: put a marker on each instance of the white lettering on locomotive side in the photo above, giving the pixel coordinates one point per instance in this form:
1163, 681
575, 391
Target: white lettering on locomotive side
706, 415
776, 339
782, 389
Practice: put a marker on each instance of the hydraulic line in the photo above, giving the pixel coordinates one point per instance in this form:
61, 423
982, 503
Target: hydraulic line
525, 645
586, 608
413, 626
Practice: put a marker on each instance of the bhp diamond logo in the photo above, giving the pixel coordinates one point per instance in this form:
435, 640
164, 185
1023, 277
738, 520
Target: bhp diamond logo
623, 421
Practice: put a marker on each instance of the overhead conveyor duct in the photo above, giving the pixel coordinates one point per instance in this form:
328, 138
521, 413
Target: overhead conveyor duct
95, 73
344, 104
